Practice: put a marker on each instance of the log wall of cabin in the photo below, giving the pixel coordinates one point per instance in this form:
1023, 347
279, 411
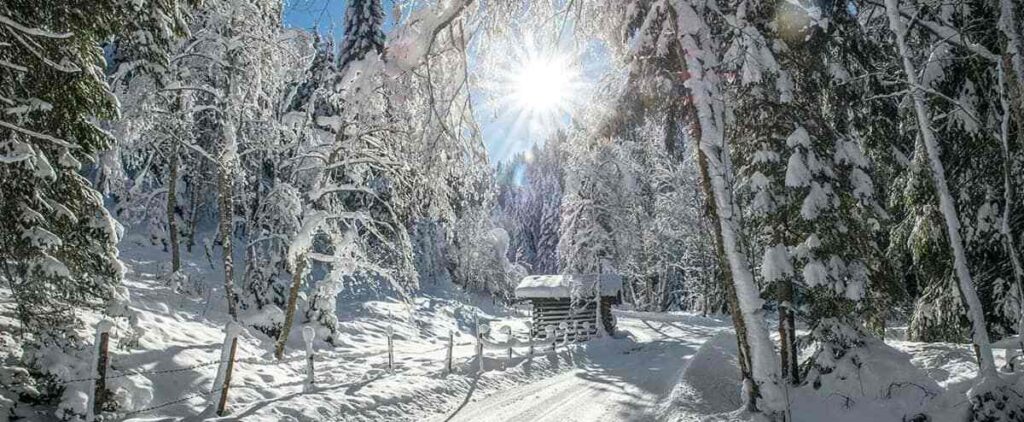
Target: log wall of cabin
553, 311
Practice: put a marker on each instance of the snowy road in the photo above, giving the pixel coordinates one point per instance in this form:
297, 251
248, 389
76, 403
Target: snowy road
612, 380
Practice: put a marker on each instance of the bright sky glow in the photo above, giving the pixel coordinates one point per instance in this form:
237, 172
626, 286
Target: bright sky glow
543, 86
530, 95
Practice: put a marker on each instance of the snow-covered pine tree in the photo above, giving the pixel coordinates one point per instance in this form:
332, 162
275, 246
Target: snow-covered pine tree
364, 34
58, 251
58, 255
530, 196
812, 195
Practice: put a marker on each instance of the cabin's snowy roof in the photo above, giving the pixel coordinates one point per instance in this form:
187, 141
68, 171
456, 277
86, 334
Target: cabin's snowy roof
555, 286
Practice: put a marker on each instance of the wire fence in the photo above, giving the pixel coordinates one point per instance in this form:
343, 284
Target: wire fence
107, 370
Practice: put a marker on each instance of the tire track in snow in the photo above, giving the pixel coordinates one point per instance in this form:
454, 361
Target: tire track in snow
618, 380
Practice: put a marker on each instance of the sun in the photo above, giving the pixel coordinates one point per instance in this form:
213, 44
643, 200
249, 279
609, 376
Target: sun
531, 92
543, 85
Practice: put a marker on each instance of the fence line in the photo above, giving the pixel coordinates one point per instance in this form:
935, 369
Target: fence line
105, 369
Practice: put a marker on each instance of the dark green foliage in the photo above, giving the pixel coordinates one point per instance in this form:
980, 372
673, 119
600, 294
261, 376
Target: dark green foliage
57, 242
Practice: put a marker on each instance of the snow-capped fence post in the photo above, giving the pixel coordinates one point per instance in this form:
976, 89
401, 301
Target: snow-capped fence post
448, 357
575, 331
510, 340
391, 351
586, 330
564, 326
98, 393
227, 365
308, 333
480, 330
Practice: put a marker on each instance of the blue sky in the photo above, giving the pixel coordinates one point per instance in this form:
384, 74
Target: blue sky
323, 15
502, 135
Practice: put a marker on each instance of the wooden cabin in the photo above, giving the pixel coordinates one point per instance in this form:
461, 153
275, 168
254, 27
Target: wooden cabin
571, 298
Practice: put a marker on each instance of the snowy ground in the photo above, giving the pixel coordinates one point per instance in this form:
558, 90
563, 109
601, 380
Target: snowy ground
611, 379
672, 367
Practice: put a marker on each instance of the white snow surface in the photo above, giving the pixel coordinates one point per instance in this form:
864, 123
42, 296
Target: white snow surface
658, 366
609, 379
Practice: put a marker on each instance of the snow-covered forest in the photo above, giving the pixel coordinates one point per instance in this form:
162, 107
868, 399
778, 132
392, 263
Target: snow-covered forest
814, 207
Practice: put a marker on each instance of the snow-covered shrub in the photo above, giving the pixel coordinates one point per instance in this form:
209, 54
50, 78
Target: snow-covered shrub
480, 257
997, 399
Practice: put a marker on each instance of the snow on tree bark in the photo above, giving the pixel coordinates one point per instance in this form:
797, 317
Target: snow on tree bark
975, 313
703, 86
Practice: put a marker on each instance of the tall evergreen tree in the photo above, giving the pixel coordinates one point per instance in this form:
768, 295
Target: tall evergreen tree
58, 253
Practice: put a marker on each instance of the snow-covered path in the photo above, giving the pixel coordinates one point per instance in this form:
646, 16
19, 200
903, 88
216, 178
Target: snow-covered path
613, 380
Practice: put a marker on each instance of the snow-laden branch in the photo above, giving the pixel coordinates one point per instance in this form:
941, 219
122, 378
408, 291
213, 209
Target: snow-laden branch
38, 135
319, 192
946, 33
35, 32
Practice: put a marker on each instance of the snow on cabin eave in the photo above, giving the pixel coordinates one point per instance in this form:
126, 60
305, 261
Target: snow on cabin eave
563, 286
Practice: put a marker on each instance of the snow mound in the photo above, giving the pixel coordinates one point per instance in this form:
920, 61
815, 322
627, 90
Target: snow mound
890, 385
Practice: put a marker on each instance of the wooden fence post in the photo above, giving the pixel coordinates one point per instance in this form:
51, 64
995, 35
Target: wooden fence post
308, 333
549, 331
227, 365
597, 308
223, 404
586, 330
529, 336
391, 351
451, 345
565, 332
510, 340
480, 330
98, 393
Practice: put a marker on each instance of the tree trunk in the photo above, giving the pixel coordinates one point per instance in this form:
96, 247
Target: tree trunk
746, 375
172, 205
1013, 105
226, 204
1008, 197
707, 111
289, 313
193, 218
975, 313
228, 160
787, 332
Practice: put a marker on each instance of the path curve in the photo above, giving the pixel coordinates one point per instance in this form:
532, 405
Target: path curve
613, 380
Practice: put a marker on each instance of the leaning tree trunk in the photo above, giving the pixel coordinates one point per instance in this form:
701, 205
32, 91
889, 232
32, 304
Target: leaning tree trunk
289, 313
975, 313
743, 349
707, 108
